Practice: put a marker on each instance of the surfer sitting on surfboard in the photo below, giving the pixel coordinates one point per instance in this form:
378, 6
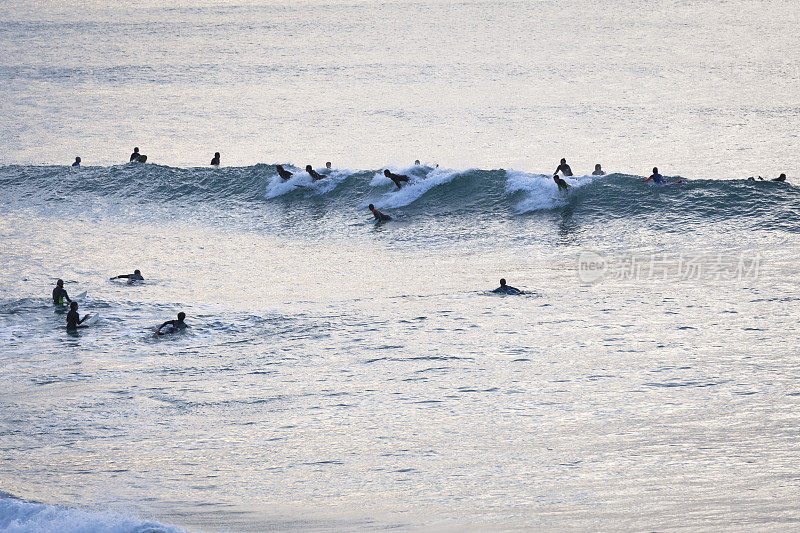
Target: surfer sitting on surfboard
563, 168
313, 173
378, 214
136, 276
396, 178
60, 293
73, 318
177, 325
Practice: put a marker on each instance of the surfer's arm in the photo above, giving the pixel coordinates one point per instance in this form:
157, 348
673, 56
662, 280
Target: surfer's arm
84, 318
168, 322
648, 179
128, 276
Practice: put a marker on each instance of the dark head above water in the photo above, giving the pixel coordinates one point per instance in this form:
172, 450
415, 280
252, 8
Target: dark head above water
328, 165
563, 160
136, 150
309, 168
416, 162
655, 170
181, 316
60, 283
371, 207
73, 305
502, 282
386, 173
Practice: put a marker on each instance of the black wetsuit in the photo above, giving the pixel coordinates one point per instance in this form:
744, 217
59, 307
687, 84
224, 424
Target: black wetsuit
598, 173
177, 325
131, 277
564, 169
59, 295
314, 174
507, 289
215, 162
780, 178
284, 174
73, 319
134, 157
398, 178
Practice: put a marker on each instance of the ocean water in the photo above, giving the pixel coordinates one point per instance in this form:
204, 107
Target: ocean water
340, 374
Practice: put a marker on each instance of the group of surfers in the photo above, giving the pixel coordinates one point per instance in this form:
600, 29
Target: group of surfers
75, 322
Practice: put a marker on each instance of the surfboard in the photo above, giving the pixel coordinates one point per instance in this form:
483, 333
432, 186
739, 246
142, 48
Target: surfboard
142, 159
79, 297
92, 320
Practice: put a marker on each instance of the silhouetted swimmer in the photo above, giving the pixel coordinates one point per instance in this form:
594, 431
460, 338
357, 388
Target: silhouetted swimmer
563, 168
77, 162
136, 276
507, 289
177, 325
380, 216
396, 178
59, 293
284, 174
73, 318
598, 171
313, 173
215, 160
416, 162
563, 186
328, 165
135, 155
782, 177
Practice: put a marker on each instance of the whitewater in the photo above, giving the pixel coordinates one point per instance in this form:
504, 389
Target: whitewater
344, 374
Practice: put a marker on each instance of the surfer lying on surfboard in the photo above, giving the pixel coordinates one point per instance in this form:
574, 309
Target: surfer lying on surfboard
284, 174
563, 186
396, 178
177, 325
658, 179
380, 216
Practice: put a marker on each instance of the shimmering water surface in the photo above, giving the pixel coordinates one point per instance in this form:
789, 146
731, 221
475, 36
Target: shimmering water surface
343, 375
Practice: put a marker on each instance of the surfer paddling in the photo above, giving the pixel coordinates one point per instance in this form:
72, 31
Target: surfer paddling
563, 186
658, 179
136, 276
313, 173
283, 173
378, 214
177, 325
563, 167
507, 289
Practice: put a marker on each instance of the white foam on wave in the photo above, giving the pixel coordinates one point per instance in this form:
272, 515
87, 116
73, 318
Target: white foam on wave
540, 192
414, 189
19, 516
301, 180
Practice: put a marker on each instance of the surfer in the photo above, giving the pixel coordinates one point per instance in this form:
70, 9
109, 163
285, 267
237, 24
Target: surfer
177, 325
313, 173
77, 162
284, 174
563, 168
215, 160
135, 155
328, 165
136, 276
782, 177
59, 293
74, 319
598, 171
379, 215
563, 186
656, 177
416, 162
396, 178
507, 289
